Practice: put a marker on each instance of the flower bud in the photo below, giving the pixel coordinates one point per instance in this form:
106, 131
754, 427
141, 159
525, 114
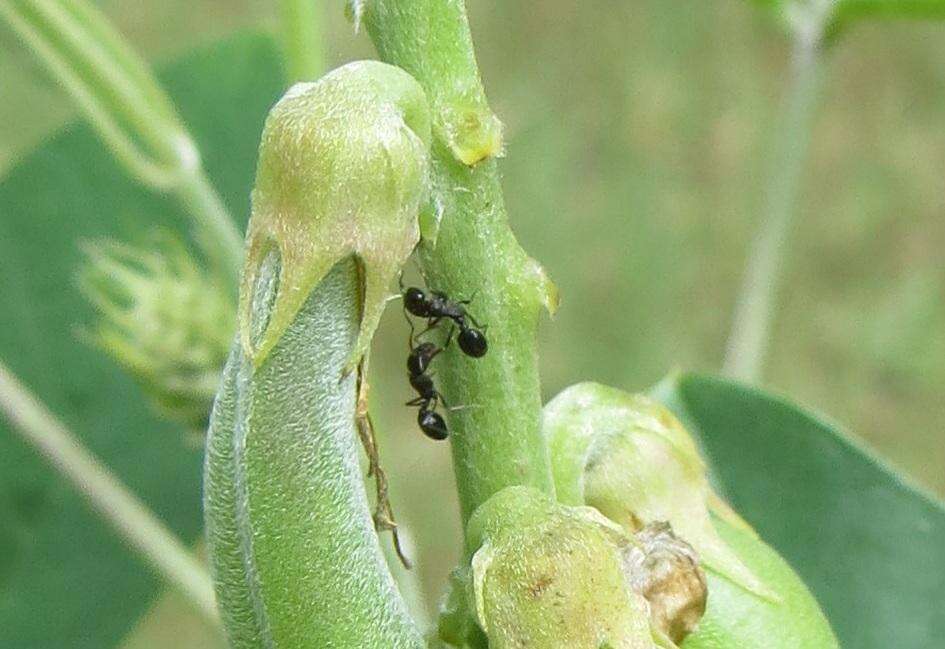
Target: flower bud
638, 465
630, 458
163, 318
342, 171
550, 576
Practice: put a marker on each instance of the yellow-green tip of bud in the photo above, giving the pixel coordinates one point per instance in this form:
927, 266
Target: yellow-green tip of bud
343, 170
547, 576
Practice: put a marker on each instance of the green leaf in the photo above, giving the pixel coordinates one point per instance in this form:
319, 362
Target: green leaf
65, 581
867, 544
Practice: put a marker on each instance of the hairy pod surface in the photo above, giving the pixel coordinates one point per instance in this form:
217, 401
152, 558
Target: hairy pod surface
295, 557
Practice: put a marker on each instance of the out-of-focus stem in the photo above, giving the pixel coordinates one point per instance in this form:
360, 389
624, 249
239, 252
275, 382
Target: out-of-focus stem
129, 110
216, 234
749, 340
127, 515
302, 39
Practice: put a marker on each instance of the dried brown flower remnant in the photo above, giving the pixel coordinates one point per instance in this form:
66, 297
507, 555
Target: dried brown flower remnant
665, 570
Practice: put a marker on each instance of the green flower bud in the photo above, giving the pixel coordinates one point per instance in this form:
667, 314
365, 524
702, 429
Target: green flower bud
550, 576
163, 318
342, 171
629, 457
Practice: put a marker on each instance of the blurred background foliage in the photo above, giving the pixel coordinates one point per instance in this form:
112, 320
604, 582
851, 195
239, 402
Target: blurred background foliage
636, 139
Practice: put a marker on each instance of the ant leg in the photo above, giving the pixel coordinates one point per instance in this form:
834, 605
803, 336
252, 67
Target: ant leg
470, 300
449, 338
476, 323
431, 324
413, 336
415, 402
467, 406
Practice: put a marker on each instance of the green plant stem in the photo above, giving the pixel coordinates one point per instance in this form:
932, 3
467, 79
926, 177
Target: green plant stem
748, 342
215, 232
302, 39
128, 109
496, 436
128, 516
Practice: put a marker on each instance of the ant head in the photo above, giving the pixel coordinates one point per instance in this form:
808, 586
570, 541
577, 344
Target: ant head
473, 342
416, 302
432, 425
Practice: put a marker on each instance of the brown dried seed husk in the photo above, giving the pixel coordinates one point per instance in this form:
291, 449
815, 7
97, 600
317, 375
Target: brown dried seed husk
665, 570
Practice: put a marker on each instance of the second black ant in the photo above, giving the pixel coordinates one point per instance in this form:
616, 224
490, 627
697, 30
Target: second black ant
429, 421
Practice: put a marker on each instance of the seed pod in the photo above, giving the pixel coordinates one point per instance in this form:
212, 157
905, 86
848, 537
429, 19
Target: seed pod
293, 548
547, 576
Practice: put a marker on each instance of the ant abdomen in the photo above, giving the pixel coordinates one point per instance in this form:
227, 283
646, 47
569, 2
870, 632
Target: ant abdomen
432, 425
473, 342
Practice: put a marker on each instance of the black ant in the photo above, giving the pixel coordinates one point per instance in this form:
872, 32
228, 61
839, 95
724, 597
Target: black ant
430, 422
434, 306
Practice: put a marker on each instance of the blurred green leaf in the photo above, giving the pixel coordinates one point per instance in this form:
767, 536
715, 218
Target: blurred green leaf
65, 581
868, 545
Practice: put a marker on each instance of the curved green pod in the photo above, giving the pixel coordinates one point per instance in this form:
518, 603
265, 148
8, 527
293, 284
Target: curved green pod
295, 558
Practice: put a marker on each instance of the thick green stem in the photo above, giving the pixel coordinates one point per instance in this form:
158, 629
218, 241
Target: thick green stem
496, 437
302, 39
751, 330
127, 515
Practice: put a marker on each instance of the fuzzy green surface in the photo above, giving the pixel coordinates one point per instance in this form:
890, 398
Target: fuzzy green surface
342, 170
295, 556
547, 576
